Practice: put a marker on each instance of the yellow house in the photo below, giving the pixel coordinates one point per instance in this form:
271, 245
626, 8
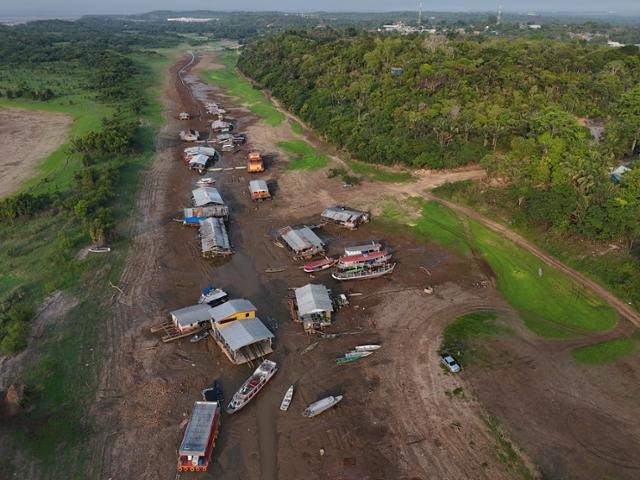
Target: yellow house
236, 309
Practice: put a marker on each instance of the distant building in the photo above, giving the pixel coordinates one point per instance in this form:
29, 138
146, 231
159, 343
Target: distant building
535, 27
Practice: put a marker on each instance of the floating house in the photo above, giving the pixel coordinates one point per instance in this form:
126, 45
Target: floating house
243, 340
346, 217
313, 306
191, 318
213, 238
193, 216
236, 309
302, 241
259, 190
205, 196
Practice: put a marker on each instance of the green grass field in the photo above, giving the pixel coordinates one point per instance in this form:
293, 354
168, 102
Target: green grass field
457, 335
38, 256
303, 156
551, 305
236, 86
605, 352
379, 174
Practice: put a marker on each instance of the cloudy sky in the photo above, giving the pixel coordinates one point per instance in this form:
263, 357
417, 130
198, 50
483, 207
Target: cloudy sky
77, 7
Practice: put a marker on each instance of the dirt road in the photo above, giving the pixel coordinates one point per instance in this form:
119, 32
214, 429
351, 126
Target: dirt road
27, 138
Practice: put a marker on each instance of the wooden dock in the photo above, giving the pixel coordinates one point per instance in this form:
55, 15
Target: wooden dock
170, 332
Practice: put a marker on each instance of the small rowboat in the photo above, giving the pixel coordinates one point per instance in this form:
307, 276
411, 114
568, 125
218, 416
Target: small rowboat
352, 357
275, 269
286, 401
367, 348
99, 249
206, 181
320, 265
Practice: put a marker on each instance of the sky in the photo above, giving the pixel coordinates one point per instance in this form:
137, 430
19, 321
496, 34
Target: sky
80, 7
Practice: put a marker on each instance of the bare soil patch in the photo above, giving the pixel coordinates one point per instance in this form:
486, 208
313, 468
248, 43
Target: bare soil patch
27, 138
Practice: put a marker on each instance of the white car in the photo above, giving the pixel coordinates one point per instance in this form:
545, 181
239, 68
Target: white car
448, 361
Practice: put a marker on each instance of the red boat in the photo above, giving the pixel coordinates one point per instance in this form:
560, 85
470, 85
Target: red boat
199, 438
371, 258
320, 265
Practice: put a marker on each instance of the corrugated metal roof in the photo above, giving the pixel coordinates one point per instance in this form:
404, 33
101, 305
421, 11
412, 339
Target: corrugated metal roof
256, 186
191, 315
209, 151
236, 305
313, 298
213, 235
300, 239
196, 437
342, 214
357, 248
209, 211
199, 159
205, 196
244, 332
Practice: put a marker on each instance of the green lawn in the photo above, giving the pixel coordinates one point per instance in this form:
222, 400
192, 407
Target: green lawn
474, 325
379, 174
605, 352
236, 86
303, 156
551, 305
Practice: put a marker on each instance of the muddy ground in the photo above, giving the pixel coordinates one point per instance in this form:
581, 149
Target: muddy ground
27, 138
398, 418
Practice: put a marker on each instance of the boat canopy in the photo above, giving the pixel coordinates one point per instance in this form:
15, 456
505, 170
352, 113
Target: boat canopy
313, 298
196, 437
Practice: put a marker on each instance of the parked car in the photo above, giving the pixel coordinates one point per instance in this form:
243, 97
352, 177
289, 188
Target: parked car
448, 361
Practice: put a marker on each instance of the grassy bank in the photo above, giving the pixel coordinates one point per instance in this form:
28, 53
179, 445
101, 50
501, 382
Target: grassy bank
302, 155
606, 352
237, 86
41, 255
379, 174
550, 303
611, 265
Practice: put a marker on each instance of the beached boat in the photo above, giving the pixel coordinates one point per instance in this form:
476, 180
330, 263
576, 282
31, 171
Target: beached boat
367, 348
286, 401
352, 357
316, 408
99, 249
362, 247
361, 273
275, 269
252, 386
199, 438
320, 265
201, 335
213, 296
371, 258
206, 181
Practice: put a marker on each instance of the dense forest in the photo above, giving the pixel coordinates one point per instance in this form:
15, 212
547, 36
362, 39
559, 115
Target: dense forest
518, 107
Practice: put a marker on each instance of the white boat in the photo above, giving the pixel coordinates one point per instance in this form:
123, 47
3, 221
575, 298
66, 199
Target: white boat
367, 348
286, 401
316, 408
213, 296
252, 386
99, 249
359, 354
364, 272
206, 181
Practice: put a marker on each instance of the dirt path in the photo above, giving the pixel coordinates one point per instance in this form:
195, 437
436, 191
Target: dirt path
27, 138
623, 309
